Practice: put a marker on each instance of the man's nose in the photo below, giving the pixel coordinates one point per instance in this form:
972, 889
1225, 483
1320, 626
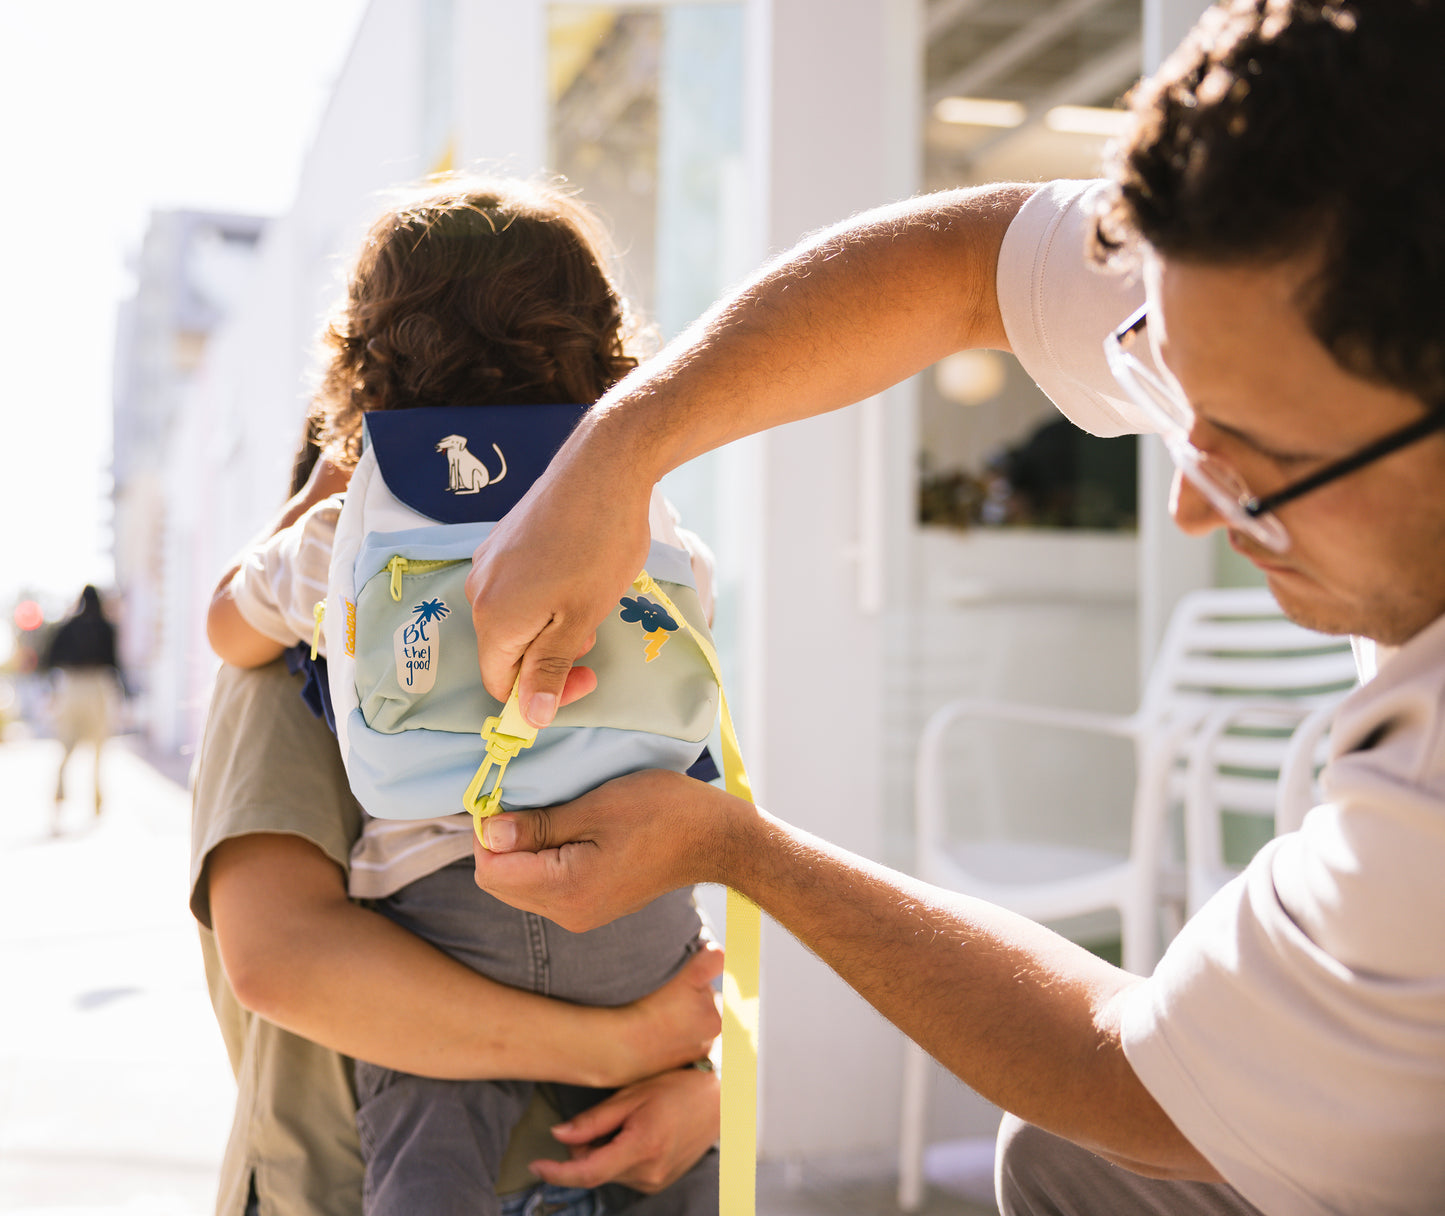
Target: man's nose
1192, 511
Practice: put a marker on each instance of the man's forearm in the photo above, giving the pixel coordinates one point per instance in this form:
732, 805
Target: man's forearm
848, 312
1023, 1016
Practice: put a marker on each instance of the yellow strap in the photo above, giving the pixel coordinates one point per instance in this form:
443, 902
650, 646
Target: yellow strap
737, 1189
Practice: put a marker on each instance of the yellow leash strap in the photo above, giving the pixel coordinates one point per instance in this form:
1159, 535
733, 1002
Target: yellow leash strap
505, 736
737, 1189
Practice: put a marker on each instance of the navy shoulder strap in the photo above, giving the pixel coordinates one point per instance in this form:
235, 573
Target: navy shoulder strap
467, 463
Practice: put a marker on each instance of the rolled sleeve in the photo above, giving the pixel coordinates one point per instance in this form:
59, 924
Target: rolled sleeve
267, 764
1058, 307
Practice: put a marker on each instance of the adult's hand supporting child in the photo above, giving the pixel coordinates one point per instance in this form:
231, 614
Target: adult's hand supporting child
658, 1134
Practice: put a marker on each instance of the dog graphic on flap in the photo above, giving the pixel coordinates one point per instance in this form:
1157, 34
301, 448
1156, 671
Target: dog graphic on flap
465, 473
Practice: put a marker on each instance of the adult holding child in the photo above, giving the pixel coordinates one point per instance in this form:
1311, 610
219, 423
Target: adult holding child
310, 978
1266, 293
465, 294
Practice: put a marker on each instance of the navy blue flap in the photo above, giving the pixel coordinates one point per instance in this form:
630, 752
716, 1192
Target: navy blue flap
467, 463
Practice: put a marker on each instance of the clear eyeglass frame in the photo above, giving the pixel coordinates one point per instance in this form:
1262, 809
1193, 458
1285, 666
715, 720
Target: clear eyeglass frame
1165, 405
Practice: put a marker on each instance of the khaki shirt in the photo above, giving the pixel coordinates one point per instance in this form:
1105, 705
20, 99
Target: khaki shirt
267, 765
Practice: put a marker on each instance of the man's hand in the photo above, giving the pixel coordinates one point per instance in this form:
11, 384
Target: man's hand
672, 1026
549, 573
612, 851
662, 1125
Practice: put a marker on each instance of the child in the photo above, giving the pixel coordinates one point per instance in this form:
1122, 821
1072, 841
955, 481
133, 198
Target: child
473, 293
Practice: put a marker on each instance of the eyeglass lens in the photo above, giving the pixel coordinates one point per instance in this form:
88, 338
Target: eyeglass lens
1161, 399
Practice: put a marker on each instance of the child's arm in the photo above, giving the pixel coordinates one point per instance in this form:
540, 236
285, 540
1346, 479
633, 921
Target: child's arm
253, 614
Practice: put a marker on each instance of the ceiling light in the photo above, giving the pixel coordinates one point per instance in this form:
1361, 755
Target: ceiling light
1087, 120
970, 377
980, 112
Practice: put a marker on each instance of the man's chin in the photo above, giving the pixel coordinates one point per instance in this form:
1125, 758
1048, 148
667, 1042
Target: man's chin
1311, 611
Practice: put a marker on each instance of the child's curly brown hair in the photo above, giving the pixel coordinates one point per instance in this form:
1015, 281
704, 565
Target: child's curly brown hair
474, 292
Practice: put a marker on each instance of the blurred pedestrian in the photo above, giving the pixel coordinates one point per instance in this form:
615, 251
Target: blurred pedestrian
82, 655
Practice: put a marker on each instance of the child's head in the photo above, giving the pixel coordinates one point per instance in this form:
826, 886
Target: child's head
474, 292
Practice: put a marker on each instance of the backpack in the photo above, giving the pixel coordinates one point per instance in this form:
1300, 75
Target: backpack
409, 703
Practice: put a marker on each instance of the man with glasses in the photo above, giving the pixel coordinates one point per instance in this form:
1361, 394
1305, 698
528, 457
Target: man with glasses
1262, 283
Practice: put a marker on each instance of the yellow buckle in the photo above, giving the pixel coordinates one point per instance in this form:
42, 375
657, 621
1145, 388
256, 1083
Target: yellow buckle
505, 736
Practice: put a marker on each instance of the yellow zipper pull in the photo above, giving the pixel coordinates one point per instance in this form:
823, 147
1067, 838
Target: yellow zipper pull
397, 566
318, 614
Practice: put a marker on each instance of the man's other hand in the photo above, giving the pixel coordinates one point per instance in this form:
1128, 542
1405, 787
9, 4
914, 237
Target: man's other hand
612, 851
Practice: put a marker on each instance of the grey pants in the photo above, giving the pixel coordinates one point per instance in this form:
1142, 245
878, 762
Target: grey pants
433, 1148
1039, 1174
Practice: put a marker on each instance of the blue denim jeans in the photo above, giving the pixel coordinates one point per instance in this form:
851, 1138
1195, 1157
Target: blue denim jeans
436, 1146
547, 1200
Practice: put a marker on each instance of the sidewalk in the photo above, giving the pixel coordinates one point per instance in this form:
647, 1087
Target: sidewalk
115, 1094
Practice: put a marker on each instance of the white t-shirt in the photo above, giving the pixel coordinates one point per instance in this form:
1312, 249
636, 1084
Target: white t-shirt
1295, 1029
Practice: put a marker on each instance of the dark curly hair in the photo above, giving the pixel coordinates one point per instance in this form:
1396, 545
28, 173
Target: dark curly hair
473, 292
1284, 128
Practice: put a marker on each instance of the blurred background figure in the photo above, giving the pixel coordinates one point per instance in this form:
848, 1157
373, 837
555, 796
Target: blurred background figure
81, 656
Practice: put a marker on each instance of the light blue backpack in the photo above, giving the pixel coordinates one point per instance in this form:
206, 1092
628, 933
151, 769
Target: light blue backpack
410, 707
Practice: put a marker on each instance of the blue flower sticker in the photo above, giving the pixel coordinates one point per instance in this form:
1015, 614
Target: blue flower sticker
652, 616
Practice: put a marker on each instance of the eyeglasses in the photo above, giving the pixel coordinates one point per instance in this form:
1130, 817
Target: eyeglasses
1164, 403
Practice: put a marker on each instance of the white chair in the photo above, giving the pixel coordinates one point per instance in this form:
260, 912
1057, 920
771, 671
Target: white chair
1222, 650
1255, 763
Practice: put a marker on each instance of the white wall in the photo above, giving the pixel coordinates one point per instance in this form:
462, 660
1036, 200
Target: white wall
1170, 563
828, 140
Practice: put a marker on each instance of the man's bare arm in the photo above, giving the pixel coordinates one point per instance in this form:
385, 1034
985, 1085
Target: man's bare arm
1028, 1019
842, 316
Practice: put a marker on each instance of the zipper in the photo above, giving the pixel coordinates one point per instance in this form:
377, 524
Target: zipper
399, 566
318, 614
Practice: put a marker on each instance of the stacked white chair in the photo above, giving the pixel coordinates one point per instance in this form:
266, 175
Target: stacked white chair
1226, 655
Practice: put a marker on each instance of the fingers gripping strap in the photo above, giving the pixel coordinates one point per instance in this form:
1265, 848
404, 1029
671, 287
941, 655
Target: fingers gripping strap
737, 1191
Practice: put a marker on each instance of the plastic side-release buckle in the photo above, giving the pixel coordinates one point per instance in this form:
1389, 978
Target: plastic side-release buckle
505, 735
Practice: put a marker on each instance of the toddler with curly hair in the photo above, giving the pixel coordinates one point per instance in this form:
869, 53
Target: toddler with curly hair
468, 293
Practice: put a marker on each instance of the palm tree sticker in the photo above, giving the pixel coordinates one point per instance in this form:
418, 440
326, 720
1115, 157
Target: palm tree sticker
655, 620
428, 610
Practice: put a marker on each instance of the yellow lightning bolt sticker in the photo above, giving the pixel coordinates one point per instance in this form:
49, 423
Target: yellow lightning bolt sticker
656, 640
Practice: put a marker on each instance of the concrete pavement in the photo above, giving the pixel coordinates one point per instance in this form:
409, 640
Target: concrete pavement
115, 1093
